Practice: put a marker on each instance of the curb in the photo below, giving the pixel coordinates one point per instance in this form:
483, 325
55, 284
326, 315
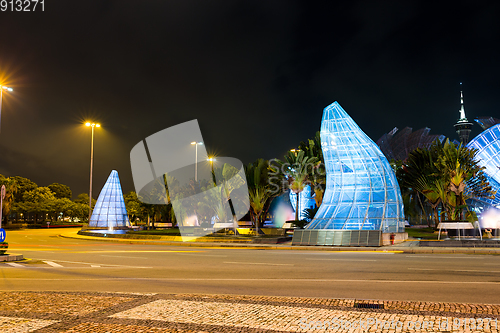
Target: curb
385, 249
11, 257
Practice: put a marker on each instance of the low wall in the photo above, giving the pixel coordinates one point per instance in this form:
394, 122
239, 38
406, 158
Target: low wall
337, 237
399, 237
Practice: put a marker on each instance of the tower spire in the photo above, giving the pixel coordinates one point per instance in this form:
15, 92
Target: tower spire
463, 126
462, 110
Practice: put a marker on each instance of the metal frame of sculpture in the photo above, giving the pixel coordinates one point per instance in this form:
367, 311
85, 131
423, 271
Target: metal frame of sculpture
488, 145
109, 210
362, 198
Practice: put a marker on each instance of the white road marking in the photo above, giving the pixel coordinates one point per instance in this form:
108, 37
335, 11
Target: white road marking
339, 259
329, 253
255, 263
91, 263
53, 264
13, 264
452, 270
203, 255
124, 257
439, 257
95, 266
262, 280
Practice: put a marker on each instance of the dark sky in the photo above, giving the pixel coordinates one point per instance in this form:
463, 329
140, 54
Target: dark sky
256, 75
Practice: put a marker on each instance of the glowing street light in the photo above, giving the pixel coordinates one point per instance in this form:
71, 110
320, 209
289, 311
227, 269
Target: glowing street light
88, 124
196, 159
2, 88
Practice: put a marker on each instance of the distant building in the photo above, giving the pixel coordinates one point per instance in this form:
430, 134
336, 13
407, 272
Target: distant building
487, 122
398, 144
463, 125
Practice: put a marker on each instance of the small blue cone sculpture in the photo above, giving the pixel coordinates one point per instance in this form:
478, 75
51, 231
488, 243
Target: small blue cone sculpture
109, 211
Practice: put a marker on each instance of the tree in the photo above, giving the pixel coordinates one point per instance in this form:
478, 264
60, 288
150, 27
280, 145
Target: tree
446, 175
83, 198
60, 190
462, 178
23, 185
317, 177
296, 169
419, 174
259, 189
38, 201
83, 201
132, 204
11, 189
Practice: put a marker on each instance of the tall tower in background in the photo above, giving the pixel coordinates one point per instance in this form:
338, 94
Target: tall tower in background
463, 126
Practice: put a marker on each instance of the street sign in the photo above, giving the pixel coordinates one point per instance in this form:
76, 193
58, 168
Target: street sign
2, 235
3, 192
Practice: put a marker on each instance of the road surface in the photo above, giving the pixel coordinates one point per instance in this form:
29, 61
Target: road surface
61, 264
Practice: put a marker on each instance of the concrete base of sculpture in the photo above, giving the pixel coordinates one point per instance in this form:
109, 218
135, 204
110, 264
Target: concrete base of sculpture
337, 237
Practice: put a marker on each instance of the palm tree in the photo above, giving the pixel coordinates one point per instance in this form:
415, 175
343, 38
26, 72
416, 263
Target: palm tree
446, 175
318, 175
10, 191
462, 178
297, 169
259, 189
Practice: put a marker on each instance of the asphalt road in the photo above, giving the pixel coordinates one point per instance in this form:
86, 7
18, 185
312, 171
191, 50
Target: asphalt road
61, 264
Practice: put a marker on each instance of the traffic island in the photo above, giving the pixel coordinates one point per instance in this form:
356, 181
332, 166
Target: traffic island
11, 257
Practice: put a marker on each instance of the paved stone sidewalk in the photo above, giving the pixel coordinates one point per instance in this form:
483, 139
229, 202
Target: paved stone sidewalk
131, 312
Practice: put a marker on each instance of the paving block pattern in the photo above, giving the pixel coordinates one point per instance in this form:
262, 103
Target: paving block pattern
22, 325
51, 312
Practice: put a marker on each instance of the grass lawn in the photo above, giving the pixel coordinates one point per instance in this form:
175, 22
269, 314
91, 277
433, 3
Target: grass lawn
158, 232
176, 232
423, 233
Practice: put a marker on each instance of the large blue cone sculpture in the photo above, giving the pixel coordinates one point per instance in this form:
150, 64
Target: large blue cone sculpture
109, 210
488, 145
362, 199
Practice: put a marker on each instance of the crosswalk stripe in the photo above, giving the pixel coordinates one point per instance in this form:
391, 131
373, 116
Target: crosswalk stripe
53, 264
13, 264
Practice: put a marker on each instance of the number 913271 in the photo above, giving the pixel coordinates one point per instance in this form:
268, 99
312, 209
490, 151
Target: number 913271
22, 5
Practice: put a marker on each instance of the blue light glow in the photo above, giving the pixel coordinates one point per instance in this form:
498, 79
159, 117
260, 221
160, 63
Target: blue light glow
306, 200
488, 145
109, 210
362, 192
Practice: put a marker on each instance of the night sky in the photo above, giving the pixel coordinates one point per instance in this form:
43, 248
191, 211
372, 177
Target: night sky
256, 75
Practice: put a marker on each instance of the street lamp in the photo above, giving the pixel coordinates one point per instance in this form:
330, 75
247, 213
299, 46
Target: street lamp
196, 159
2, 88
88, 124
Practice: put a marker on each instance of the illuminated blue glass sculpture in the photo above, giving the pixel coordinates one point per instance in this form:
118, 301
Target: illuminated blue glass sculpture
109, 210
306, 200
362, 198
488, 145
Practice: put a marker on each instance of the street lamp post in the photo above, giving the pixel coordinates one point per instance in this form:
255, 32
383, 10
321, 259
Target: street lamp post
2, 88
92, 125
2, 196
196, 159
